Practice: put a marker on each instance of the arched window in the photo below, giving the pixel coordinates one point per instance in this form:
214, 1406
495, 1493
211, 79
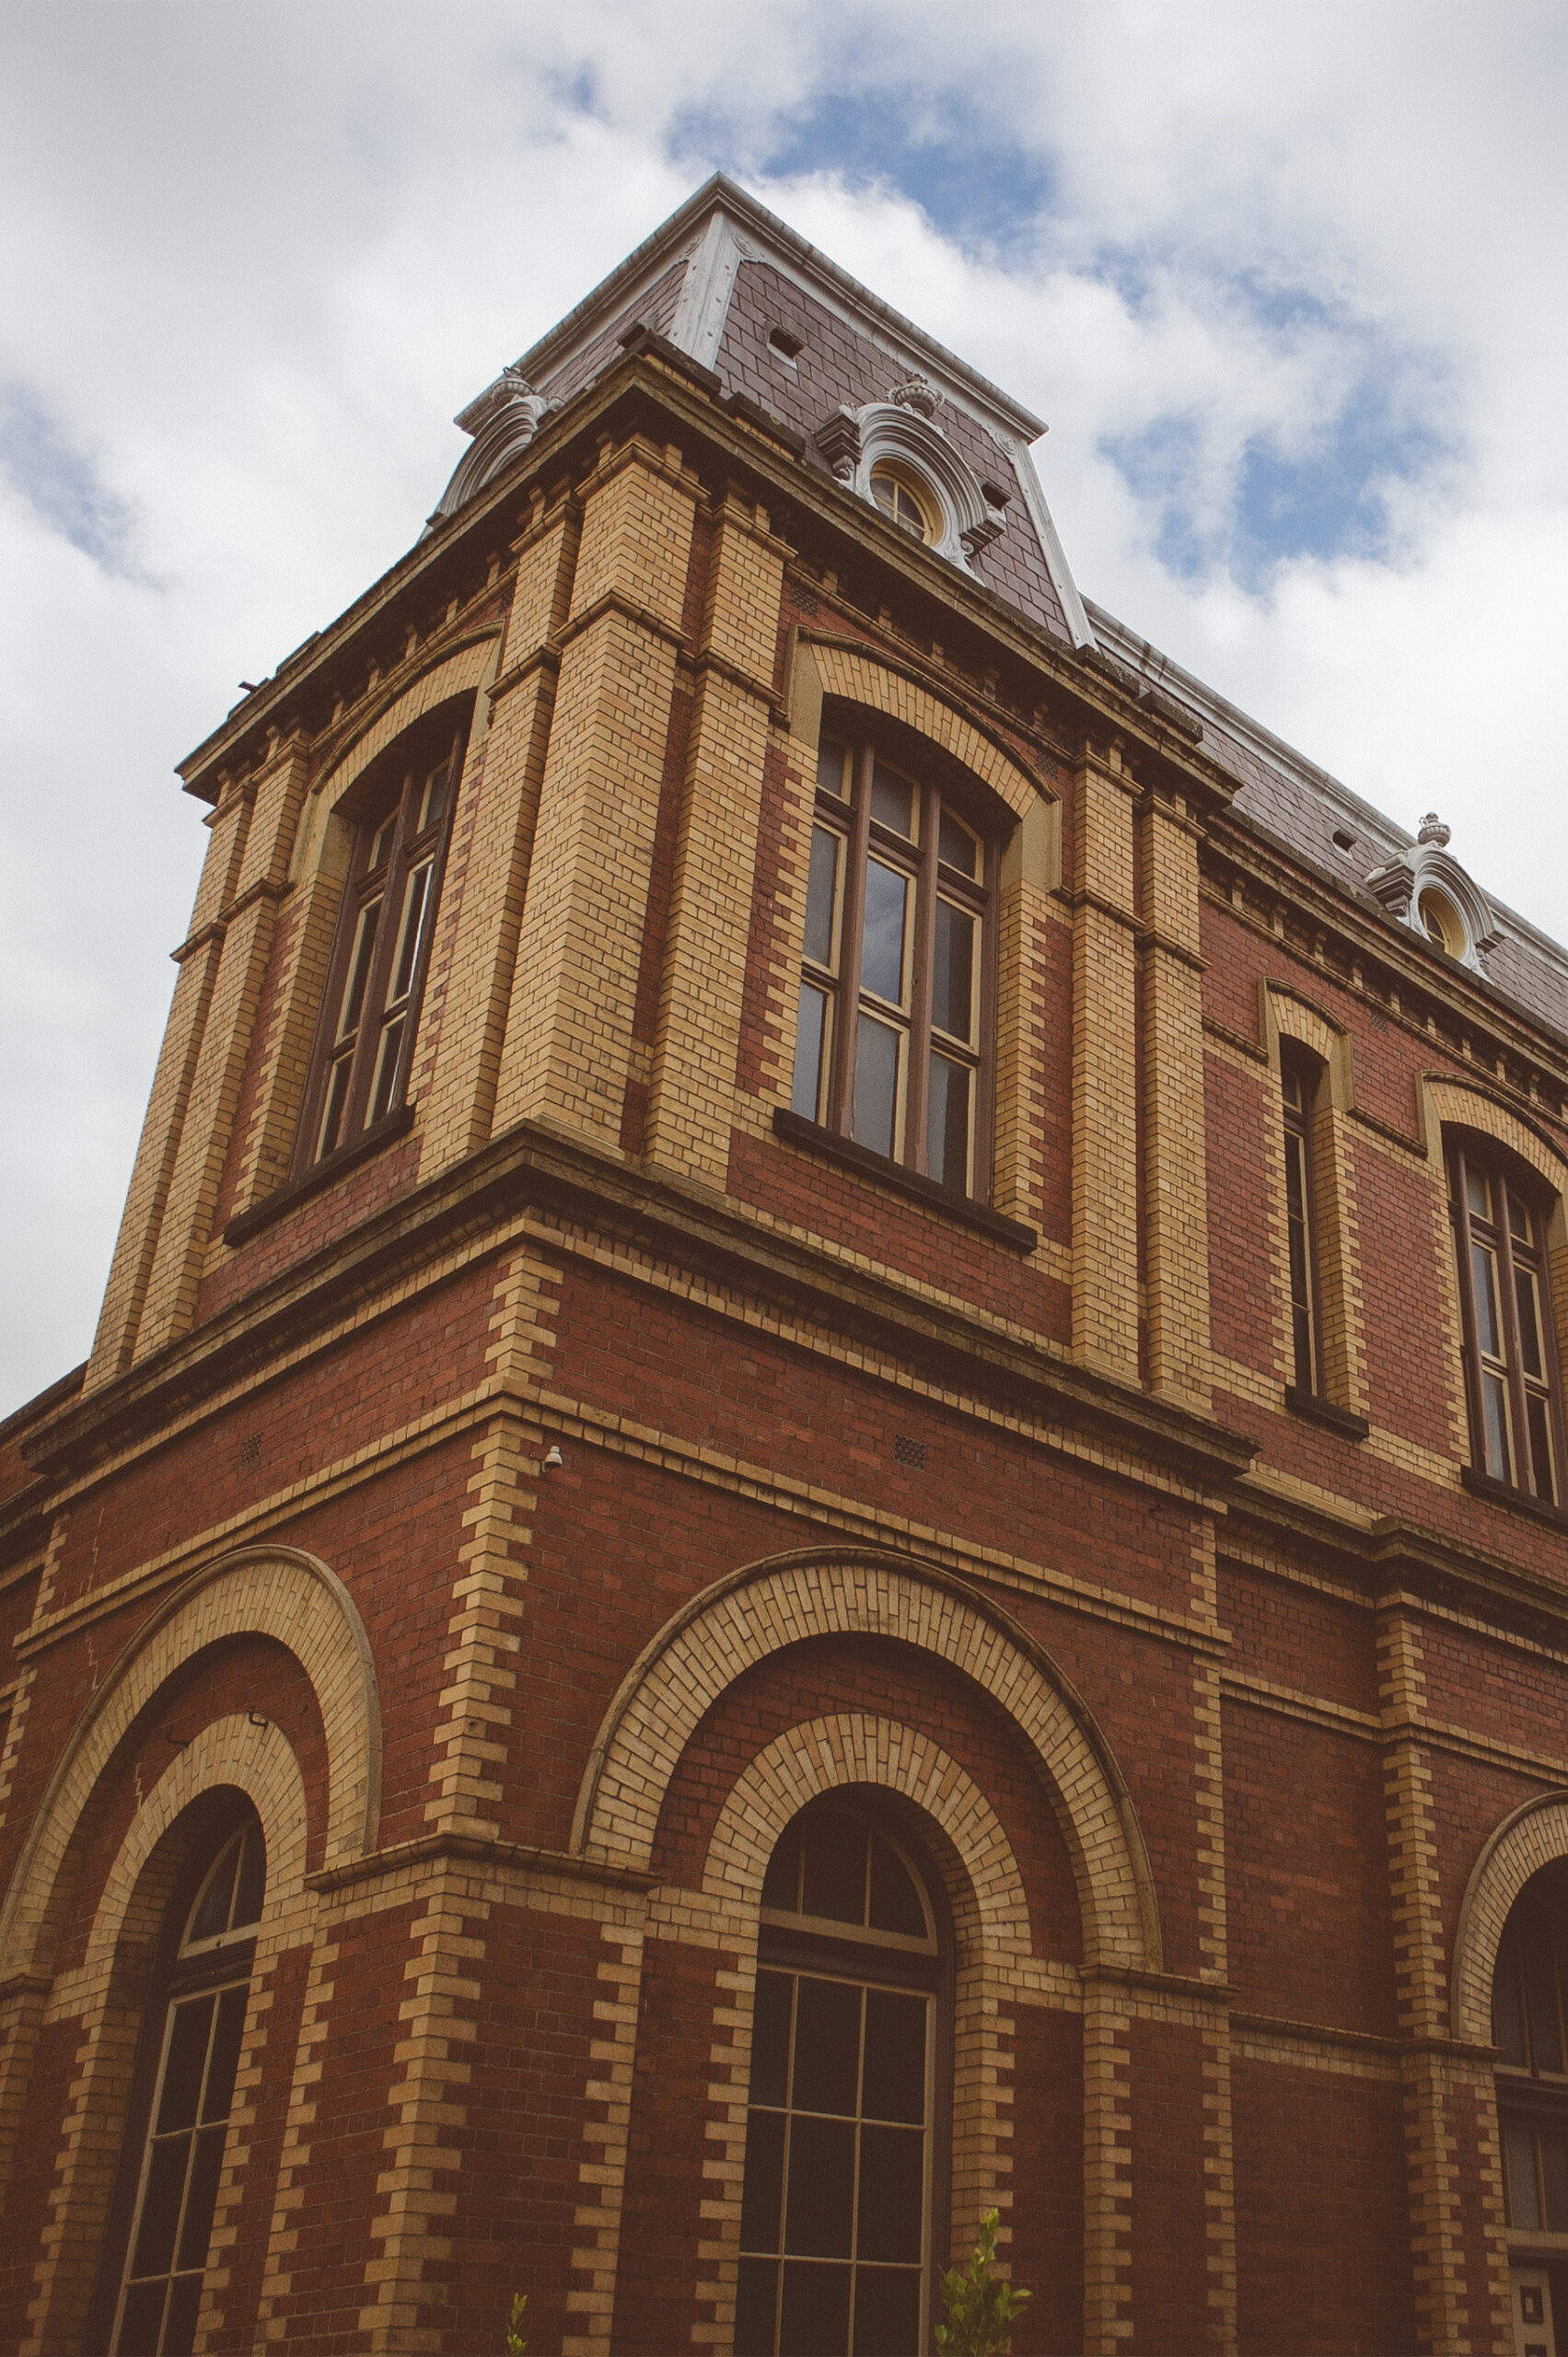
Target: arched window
169, 2184
1529, 2026
1299, 1076
845, 2129
1511, 1379
376, 981
900, 493
893, 1038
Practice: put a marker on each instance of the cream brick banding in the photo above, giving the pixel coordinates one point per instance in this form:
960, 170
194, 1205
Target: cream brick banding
744, 1617
266, 1592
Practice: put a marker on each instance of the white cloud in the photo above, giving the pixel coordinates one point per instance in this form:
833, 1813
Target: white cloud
257, 258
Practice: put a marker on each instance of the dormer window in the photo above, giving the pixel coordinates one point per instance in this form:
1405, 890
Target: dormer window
1442, 923
894, 490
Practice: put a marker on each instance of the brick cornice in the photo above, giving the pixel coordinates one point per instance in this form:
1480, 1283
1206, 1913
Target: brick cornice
467, 1849
535, 1162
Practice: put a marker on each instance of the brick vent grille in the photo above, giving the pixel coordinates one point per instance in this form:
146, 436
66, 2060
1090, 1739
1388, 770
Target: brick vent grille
908, 1452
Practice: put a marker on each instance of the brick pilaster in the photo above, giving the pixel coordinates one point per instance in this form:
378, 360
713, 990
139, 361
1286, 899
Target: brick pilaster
1175, 1174
1107, 2172
487, 879
568, 1048
1105, 1201
691, 1094
199, 959
248, 920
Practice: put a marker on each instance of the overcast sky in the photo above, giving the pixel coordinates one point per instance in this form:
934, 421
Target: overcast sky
1287, 283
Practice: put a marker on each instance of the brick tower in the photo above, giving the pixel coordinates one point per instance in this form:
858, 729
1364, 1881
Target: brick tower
821, 1485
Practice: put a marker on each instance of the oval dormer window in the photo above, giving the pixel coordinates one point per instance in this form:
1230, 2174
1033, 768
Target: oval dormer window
900, 494
1442, 923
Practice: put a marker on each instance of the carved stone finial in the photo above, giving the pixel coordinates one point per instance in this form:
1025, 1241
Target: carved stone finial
1432, 830
917, 394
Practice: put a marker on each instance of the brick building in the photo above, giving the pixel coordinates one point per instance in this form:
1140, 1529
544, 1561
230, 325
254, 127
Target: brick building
823, 1479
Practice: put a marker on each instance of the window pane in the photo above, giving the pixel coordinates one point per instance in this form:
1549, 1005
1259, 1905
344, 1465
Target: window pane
1298, 1234
877, 1085
810, 1053
755, 2302
834, 1881
433, 799
180, 2326
1518, 1219
1541, 1447
415, 894
827, 2052
201, 2200
887, 2311
225, 2060
762, 2205
1290, 1086
336, 1105
814, 2317
253, 1882
359, 968
953, 971
185, 2064
386, 1069
895, 1902
770, 2037
882, 950
1478, 1192
892, 802
1489, 1328
1540, 2000
948, 1123
1499, 1452
140, 2321
895, 2056
1507, 2012
821, 897
1554, 2181
160, 2206
892, 2184
832, 768
211, 1913
958, 846
821, 2202
782, 1884
381, 848
1524, 2206
1530, 1322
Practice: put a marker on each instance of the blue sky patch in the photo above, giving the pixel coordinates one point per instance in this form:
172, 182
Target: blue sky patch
974, 182
62, 486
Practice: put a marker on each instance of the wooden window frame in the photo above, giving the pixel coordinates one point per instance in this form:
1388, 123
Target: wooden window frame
807, 1945
841, 981
1532, 2099
1306, 1292
1512, 1255
176, 1976
394, 794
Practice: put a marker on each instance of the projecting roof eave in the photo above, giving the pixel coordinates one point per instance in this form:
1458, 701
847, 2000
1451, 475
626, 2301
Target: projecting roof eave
722, 194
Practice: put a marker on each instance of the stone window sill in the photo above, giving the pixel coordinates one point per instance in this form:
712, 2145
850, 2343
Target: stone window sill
321, 1175
1520, 1501
1014, 1233
1323, 1412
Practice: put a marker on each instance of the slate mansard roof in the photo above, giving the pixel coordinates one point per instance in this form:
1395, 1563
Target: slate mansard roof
723, 276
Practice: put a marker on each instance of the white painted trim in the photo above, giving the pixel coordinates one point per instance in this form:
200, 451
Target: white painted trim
1055, 555
703, 307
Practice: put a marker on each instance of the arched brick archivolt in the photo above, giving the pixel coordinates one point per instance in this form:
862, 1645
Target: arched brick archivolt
859, 678
868, 1592
276, 1592
1533, 1837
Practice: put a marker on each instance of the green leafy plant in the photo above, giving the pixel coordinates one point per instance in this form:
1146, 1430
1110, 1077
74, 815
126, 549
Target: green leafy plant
982, 2309
515, 2344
